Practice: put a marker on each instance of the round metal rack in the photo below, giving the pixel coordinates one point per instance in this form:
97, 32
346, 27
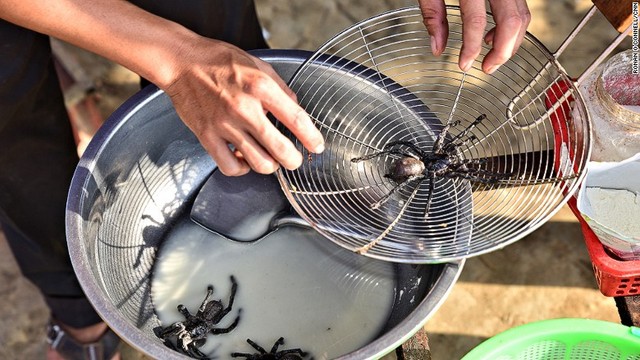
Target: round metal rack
498, 159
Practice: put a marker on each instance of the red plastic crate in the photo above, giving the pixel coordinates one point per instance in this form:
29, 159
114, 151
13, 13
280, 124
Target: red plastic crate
615, 277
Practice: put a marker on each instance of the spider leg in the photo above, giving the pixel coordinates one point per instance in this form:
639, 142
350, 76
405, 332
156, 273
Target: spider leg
454, 143
475, 170
363, 249
386, 197
234, 288
462, 168
256, 346
173, 329
491, 173
229, 328
471, 126
473, 177
438, 145
199, 342
517, 181
275, 346
293, 351
389, 149
194, 352
417, 152
473, 161
244, 355
182, 344
374, 155
185, 312
206, 300
432, 186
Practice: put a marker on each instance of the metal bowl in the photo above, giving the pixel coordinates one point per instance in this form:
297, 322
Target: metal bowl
138, 176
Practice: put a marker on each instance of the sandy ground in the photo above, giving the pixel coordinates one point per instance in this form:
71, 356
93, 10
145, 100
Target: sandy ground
546, 275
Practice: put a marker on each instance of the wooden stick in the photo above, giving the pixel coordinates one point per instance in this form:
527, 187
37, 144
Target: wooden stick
617, 12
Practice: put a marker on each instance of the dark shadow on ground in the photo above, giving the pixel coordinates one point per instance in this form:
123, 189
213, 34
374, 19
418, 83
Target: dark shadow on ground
554, 255
451, 346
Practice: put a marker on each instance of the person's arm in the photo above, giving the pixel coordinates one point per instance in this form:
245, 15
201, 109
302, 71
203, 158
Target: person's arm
220, 92
512, 18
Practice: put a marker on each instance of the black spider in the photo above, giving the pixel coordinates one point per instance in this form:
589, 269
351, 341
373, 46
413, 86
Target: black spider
274, 354
192, 333
443, 160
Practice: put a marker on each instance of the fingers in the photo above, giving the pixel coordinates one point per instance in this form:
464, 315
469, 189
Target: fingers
260, 160
242, 147
474, 22
281, 150
525, 15
280, 101
511, 18
228, 162
257, 142
224, 98
434, 15
275, 97
268, 69
263, 146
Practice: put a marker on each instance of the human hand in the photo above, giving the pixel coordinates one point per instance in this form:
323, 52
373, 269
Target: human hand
223, 95
511, 17
220, 92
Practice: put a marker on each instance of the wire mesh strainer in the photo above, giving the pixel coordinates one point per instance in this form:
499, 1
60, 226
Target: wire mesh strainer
501, 152
560, 339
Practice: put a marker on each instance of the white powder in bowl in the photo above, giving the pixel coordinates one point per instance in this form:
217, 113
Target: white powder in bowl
618, 210
634, 108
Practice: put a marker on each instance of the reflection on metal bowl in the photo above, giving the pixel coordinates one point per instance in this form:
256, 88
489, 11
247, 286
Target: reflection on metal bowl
138, 178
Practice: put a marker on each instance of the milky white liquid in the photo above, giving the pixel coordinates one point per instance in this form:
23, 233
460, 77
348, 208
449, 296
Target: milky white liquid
292, 283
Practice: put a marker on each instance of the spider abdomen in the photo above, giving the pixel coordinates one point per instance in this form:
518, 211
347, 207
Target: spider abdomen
406, 167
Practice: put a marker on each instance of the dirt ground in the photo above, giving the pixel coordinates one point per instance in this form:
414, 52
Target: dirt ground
546, 275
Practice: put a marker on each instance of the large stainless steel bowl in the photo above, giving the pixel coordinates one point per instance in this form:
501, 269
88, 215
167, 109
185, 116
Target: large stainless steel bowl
137, 177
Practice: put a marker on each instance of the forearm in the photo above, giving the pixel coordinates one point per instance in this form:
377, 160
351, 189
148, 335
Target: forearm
219, 91
149, 45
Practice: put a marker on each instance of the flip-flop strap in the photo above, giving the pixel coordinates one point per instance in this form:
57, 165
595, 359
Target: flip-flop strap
70, 349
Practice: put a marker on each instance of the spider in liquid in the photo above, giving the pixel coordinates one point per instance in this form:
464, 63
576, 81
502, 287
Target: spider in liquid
443, 161
192, 333
273, 354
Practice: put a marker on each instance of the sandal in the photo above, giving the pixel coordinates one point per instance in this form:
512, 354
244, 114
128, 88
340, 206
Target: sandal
69, 348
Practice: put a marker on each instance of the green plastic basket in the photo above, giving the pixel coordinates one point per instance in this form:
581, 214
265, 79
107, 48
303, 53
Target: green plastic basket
562, 339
